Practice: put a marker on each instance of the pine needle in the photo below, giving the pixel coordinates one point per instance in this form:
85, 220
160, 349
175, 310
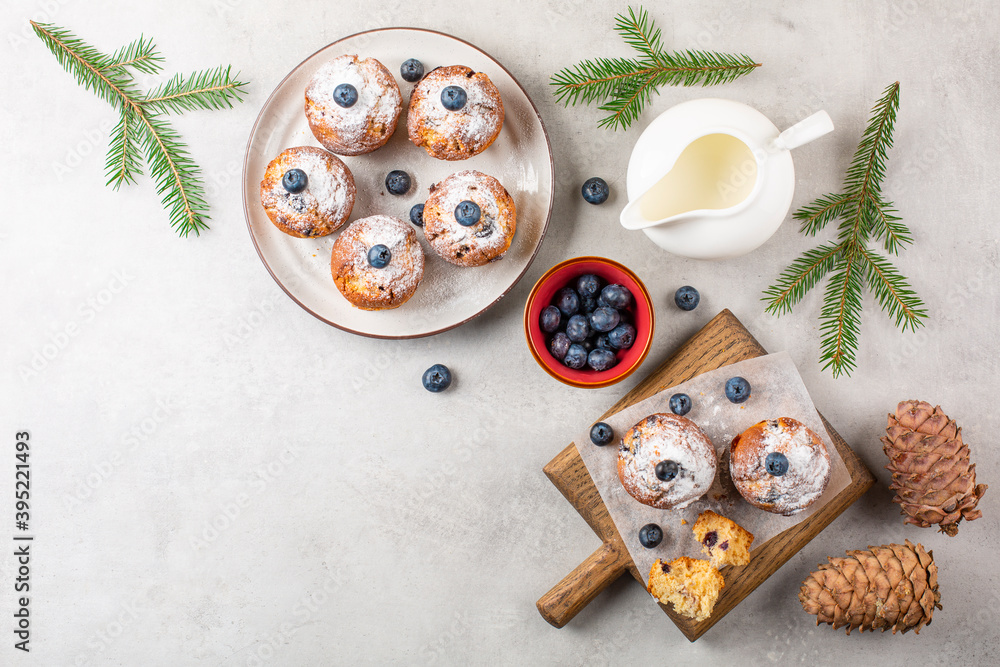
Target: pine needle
864, 217
623, 87
141, 131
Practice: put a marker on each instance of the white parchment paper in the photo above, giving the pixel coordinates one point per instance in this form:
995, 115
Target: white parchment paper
776, 391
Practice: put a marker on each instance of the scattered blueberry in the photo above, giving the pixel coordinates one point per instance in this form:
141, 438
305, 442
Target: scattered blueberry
595, 190
411, 70
453, 98
603, 342
345, 95
397, 182
437, 378
601, 434
576, 356
295, 181
601, 359
687, 298
776, 464
737, 389
667, 470
604, 319
588, 285
711, 537
549, 319
622, 337
559, 345
616, 296
650, 536
577, 328
680, 404
467, 213
417, 215
567, 301
379, 256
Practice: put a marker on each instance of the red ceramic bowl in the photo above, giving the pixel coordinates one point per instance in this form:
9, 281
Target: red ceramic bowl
560, 276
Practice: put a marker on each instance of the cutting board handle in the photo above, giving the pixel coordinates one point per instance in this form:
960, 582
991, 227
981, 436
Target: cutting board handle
582, 585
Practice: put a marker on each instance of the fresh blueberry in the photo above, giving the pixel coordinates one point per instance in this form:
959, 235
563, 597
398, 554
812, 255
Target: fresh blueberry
776, 464
680, 404
411, 70
616, 296
667, 470
295, 181
559, 345
588, 345
467, 213
601, 434
437, 378
604, 320
417, 215
595, 190
737, 389
397, 182
567, 301
650, 535
588, 285
577, 328
549, 319
588, 304
576, 356
379, 256
601, 359
622, 337
453, 98
603, 342
687, 298
345, 95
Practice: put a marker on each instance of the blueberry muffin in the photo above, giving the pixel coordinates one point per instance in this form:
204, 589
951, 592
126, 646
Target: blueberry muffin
725, 541
454, 113
307, 192
470, 219
377, 262
690, 584
779, 465
353, 105
666, 461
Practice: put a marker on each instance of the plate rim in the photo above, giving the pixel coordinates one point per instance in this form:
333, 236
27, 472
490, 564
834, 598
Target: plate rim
534, 253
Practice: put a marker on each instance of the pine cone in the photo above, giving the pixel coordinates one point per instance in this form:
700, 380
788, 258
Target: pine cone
931, 474
892, 586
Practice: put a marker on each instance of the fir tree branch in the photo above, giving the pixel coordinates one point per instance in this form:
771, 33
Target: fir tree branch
864, 217
209, 89
639, 33
122, 165
893, 292
175, 174
867, 170
816, 215
623, 87
141, 130
840, 319
140, 55
800, 277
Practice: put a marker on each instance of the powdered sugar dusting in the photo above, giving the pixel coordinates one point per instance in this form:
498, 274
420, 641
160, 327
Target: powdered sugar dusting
474, 125
808, 466
378, 97
329, 192
663, 437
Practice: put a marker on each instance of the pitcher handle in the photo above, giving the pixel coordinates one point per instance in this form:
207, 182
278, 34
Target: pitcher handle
807, 129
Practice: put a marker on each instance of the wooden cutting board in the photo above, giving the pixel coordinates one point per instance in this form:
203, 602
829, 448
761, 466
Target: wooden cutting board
721, 342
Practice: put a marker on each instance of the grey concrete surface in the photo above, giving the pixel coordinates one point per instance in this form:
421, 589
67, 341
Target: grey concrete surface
221, 479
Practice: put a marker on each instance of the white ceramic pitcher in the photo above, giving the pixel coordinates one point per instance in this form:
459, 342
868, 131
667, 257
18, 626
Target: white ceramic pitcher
748, 161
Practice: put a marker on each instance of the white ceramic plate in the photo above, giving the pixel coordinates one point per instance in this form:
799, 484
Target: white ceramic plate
521, 158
